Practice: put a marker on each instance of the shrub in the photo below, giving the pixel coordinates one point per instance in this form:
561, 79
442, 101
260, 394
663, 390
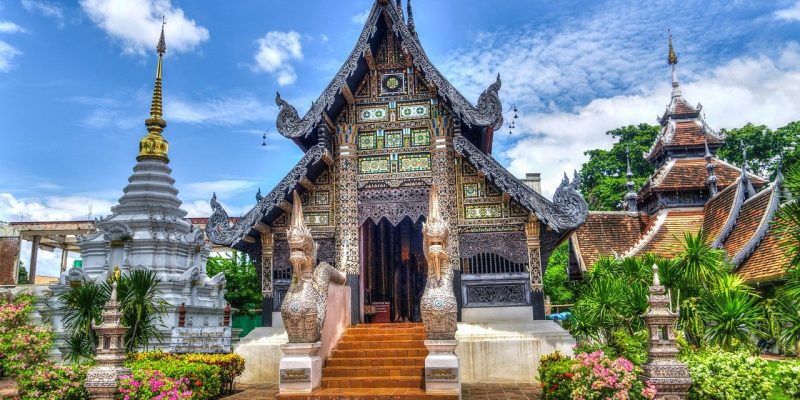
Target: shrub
555, 376
596, 376
50, 381
230, 365
22, 345
787, 377
146, 385
203, 380
730, 376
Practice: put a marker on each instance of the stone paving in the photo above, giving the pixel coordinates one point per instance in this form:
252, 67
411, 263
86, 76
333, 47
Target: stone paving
474, 391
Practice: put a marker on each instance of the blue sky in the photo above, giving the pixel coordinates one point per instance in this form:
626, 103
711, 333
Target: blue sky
76, 80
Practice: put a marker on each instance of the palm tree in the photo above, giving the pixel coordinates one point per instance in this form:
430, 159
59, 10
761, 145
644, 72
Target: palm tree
142, 308
697, 265
732, 313
83, 306
789, 315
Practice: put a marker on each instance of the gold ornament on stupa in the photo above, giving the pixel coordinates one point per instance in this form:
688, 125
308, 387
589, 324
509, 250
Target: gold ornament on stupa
672, 58
154, 145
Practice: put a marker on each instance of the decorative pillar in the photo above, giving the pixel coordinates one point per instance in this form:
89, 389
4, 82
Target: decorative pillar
663, 370
64, 256
346, 210
34, 255
443, 169
267, 250
102, 381
533, 243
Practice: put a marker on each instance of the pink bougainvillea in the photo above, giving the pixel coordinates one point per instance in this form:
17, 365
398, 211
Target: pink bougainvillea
154, 385
595, 376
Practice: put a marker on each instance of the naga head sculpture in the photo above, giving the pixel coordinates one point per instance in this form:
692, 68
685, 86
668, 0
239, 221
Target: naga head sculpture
435, 232
302, 248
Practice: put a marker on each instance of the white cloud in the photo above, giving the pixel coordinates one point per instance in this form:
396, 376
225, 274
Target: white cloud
53, 208
136, 24
360, 18
45, 8
7, 55
789, 14
225, 110
761, 89
275, 51
10, 27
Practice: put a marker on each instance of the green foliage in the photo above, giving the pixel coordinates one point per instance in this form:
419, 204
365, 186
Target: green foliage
555, 376
140, 303
787, 377
764, 146
732, 314
243, 290
22, 275
789, 315
149, 384
230, 365
603, 176
788, 223
203, 379
23, 345
631, 347
51, 381
556, 280
142, 308
722, 375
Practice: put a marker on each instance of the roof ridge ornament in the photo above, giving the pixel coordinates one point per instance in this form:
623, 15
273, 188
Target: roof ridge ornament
154, 146
711, 181
630, 197
672, 60
749, 190
411, 26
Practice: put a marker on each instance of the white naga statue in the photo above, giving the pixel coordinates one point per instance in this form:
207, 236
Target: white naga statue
438, 305
303, 308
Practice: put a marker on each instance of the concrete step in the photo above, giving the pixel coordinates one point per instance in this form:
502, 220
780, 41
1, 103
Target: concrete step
380, 353
380, 344
418, 362
382, 371
370, 382
368, 394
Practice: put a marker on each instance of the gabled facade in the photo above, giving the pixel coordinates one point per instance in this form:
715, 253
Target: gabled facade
387, 128
691, 190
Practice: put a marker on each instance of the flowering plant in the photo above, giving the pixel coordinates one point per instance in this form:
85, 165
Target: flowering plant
202, 380
596, 376
22, 344
555, 376
146, 385
230, 365
51, 381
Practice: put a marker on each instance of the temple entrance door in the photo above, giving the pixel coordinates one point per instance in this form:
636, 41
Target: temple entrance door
393, 270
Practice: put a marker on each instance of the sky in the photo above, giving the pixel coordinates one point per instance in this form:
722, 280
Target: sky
76, 80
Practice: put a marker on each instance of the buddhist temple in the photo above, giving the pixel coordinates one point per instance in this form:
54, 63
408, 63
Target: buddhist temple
691, 190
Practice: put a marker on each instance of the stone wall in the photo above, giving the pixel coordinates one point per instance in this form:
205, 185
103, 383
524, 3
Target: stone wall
9, 254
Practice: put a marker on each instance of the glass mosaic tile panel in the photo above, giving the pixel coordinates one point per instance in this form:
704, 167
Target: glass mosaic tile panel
373, 165
415, 162
413, 111
480, 211
366, 141
471, 190
393, 139
317, 218
322, 198
373, 114
420, 137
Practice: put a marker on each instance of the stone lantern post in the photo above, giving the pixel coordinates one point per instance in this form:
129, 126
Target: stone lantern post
102, 381
662, 369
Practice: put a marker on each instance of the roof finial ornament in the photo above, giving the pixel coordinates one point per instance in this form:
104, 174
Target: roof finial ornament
411, 27
749, 190
630, 197
786, 194
672, 60
154, 146
711, 181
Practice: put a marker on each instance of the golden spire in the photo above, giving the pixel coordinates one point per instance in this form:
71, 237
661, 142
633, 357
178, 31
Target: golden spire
154, 145
672, 58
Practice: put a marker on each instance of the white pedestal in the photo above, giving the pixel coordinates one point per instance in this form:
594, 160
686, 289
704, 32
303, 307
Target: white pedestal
300, 367
442, 371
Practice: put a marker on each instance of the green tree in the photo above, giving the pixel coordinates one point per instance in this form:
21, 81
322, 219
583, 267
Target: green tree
603, 176
22, 275
557, 284
764, 147
243, 290
732, 314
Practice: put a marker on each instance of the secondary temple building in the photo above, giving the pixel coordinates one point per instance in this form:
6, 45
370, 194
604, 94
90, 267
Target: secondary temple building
691, 190
387, 129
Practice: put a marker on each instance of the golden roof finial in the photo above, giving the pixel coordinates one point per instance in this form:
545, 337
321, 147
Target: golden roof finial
154, 145
672, 58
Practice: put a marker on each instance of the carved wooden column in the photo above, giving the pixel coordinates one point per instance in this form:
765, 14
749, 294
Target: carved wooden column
267, 250
346, 214
444, 177
532, 240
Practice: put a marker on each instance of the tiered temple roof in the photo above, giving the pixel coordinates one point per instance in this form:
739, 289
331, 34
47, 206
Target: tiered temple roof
691, 190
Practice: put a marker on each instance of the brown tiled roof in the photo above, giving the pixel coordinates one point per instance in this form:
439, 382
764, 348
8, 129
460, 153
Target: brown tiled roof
768, 261
691, 174
750, 218
606, 233
683, 107
718, 211
666, 234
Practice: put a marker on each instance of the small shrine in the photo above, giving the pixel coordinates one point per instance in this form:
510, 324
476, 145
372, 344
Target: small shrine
102, 380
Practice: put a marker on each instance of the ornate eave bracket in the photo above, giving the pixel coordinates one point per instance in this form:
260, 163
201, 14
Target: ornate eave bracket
567, 211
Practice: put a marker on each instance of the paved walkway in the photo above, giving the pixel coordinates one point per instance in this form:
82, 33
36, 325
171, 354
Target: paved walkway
475, 391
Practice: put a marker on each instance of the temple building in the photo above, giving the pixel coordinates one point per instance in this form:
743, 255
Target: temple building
387, 128
691, 190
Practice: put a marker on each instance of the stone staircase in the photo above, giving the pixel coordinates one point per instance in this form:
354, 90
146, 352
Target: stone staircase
376, 361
